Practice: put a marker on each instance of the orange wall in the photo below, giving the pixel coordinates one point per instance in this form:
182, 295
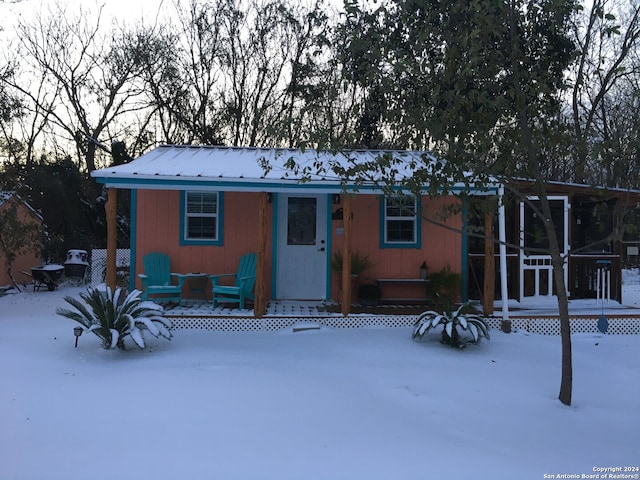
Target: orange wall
26, 260
440, 246
158, 229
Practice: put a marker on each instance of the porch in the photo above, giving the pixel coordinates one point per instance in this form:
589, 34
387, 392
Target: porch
533, 318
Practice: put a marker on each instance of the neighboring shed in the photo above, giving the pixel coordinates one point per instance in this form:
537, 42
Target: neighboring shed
27, 258
588, 222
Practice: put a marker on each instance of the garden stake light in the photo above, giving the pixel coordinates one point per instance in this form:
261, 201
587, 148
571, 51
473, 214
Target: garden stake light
77, 331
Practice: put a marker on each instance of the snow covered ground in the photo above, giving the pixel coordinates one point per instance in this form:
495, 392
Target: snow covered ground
326, 404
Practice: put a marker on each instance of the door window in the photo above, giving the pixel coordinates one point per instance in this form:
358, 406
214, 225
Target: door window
301, 221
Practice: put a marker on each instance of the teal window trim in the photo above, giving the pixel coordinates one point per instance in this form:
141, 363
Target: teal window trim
219, 217
417, 223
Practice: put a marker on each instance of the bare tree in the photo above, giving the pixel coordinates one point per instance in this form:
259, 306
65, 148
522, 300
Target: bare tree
232, 72
86, 76
267, 47
608, 37
181, 73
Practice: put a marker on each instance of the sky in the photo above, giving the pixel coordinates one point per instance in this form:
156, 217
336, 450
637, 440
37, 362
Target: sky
120, 10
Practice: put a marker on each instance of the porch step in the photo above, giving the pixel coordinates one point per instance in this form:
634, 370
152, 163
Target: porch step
304, 326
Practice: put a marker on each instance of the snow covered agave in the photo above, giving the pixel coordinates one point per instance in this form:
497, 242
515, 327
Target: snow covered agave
453, 325
112, 316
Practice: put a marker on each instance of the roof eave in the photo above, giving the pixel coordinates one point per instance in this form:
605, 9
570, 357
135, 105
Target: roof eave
157, 182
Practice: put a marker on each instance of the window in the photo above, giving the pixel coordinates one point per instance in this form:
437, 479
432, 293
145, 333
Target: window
202, 215
301, 220
400, 226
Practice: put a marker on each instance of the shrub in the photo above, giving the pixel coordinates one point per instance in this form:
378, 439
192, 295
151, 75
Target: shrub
457, 328
358, 264
112, 316
444, 288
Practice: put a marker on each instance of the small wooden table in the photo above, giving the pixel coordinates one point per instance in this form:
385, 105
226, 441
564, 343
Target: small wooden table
399, 282
197, 283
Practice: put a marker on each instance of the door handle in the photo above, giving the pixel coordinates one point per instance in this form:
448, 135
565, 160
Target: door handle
321, 249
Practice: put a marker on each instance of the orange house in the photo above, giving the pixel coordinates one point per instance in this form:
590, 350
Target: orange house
26, 259
207, 206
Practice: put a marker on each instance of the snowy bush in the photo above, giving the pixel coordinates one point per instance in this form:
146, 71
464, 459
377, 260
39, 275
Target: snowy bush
112, 316
457, 328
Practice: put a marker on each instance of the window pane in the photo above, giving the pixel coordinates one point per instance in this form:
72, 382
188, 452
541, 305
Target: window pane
535, 235
201, 227
393, 208
400, 231
301, 221
209, 203
194, 201
401, 207
202, 203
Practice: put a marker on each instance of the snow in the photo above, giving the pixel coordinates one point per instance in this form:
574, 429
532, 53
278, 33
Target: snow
51, 267
243, 168
324, 403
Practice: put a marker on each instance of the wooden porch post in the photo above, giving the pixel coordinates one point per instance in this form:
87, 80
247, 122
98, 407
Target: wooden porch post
112, 236
489, 287
346, 255
260, 305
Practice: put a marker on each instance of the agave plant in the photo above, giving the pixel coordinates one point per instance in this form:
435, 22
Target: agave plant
112, 316
453, 325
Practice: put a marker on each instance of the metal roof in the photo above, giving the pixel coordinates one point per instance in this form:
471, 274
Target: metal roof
258, 169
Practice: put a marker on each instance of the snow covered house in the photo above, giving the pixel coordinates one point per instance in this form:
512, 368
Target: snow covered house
25, 259
207, 206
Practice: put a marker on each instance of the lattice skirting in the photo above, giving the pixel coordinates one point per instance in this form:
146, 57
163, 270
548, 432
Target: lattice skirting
249, 324
551, 325
99, 265
538, 325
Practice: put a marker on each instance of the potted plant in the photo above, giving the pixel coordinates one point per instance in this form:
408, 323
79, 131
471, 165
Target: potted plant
359, 264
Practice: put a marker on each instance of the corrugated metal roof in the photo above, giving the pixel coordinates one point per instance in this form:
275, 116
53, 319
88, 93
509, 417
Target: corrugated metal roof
245, 168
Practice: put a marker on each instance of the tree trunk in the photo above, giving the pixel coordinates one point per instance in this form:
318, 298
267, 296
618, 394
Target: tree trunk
566, 381
13, 280
90, 157
532, 151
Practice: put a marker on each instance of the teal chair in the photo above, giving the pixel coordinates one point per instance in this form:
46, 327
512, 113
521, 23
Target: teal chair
242, 288
157, 279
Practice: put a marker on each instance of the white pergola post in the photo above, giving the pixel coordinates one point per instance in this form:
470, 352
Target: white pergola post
502, 236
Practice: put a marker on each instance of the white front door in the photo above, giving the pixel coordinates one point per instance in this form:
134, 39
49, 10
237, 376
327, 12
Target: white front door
301, 272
